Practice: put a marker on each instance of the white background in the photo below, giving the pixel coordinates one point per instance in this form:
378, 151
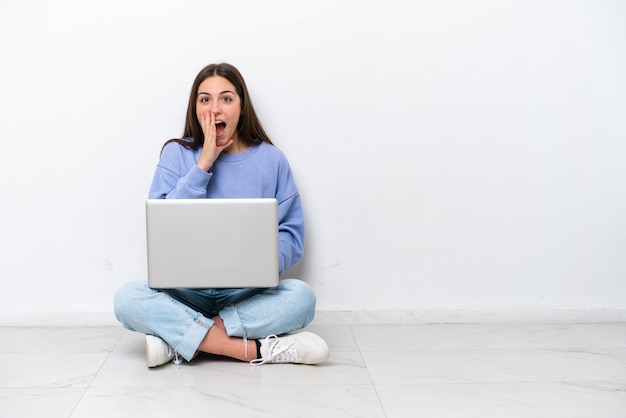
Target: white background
451, 155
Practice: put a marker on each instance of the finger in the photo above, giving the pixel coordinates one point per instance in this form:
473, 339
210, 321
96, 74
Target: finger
203, 121
211, 123
208, 125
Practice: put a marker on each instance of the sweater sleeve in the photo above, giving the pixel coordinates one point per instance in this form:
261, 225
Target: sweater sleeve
178, 177
290, 218
290, 232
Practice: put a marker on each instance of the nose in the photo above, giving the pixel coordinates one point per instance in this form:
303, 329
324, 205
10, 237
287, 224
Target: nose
215, 107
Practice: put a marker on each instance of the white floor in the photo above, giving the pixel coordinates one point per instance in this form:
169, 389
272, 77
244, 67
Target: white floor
374, 371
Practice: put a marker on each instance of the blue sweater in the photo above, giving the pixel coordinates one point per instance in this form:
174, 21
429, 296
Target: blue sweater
260, 171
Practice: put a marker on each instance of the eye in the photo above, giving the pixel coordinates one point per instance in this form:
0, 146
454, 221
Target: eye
203, 99
227, 99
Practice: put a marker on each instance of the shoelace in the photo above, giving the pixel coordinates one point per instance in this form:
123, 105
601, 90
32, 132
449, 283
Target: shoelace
177, 360
284, 354
171, 353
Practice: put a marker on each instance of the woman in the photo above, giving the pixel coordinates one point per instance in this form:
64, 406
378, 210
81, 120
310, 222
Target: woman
225, 153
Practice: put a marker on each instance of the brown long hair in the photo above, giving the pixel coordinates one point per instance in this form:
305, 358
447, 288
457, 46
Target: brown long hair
249, 129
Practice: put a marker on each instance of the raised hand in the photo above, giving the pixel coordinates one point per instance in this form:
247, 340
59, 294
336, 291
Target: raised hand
210, 150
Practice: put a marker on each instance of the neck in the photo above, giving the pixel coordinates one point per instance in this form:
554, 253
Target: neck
236, 147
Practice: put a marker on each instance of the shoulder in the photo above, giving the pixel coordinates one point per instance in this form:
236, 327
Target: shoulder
272, 152
177, 147
177, 156
273, 157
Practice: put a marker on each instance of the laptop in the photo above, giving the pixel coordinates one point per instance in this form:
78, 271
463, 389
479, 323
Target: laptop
212, 243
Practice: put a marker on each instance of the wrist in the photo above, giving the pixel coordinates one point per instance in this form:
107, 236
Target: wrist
204, 167
205, 164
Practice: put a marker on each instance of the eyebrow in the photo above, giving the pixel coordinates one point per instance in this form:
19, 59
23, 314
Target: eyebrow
222, 92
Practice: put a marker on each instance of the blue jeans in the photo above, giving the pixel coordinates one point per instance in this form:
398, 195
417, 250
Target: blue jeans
182, 317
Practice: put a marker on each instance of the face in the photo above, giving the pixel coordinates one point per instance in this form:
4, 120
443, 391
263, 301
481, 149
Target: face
219, 96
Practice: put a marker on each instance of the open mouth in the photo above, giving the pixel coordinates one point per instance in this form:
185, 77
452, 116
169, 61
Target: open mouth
220, 127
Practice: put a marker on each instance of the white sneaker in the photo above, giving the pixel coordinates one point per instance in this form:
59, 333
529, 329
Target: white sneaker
157, 351
303, 348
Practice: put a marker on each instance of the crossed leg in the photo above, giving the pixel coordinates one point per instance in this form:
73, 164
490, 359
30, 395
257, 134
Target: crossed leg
216, 341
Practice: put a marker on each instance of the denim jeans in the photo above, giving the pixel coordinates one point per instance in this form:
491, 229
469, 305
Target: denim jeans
182, 317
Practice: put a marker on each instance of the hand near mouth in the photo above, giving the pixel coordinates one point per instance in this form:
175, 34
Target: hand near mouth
210, 149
